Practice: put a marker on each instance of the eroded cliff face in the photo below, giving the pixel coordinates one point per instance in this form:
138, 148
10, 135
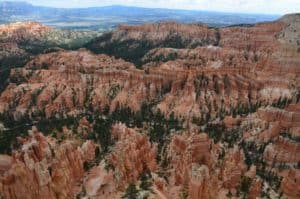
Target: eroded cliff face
210, 113
290, 184
28, 34
274, 134
190, 156
18, 32
130, 157
71, 82
19, 41
132, 154
44, 168
140, 39
244, 69
75, 81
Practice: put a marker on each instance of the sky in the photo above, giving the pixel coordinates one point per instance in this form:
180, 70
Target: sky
238, 6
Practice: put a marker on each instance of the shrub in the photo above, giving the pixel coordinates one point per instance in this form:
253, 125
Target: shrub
131, 192
245, 184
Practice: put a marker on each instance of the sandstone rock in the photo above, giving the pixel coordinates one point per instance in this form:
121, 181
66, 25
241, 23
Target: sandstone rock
290, 184
255, 189
232, 168
101, 183
287, 119
44, 169
132, 155
21, 31
5, 163
187, 149
230, 121
199, 184
282, 151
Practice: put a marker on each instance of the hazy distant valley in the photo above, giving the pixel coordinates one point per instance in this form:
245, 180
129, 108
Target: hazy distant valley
106, 18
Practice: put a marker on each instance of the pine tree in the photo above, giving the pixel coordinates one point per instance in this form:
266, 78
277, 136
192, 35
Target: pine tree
131, 192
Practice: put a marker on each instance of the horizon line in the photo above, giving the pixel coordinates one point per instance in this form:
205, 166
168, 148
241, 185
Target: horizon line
146, 7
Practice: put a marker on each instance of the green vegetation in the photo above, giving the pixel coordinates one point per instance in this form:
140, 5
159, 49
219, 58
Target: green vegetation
298, 96
101, 132
245, 184
81, 194
290, 136
184, 194
113, 91
134, 50
13, 130
153, 57
219, 133
6, 64
216, 84
201, 83
129, 50
34, 96
282, 102
272, 178
242, 109
50, 42
253, 153
158, 126
146, 183
131, 192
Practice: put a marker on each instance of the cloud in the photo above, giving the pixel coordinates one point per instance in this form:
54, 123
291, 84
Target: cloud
241, 6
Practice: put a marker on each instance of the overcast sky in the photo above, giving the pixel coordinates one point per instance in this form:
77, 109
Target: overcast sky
240, 6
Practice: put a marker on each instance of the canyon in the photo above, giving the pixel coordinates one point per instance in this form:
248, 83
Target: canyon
163, 110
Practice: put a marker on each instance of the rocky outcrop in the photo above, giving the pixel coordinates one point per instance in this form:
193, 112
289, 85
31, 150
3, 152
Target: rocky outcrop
140, 39
209, 80
22, 31
132, 155
10, 51
286, 118
208, 56
29, 34
190, 158
255, 189
19, 41
282, 151
271, 122
101, 183
232, 168
290, 184
290, 35
43, 168
261, 36
199, 185
70, 82
188, 149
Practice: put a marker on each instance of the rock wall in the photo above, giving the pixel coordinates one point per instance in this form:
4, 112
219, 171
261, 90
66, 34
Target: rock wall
44, 168
132, 155
290, 184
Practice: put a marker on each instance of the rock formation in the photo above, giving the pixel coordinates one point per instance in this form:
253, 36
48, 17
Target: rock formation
44, 168
132, 155
178, 110
290, 184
